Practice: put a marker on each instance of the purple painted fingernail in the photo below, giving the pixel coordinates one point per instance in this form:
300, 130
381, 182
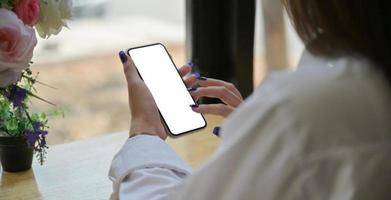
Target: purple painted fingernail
191, 64
197, 74
123, 57
192, 89
194, 106
216, 131
199, 77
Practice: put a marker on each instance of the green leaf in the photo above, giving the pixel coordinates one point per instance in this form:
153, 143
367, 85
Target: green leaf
23, 124
39, 117
11, 124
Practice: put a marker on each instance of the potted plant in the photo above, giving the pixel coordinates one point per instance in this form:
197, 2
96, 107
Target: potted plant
22, 133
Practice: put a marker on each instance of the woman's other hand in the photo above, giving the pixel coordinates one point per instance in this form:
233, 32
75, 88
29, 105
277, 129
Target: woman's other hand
226, 92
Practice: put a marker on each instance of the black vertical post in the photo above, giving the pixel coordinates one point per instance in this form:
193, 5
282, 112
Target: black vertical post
220, 39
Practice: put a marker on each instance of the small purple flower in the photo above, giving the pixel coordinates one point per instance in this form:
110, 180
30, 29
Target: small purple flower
37, 125
31, 137
17, 95
36, 138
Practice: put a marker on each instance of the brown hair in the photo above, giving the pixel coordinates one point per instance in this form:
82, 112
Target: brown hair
335, 28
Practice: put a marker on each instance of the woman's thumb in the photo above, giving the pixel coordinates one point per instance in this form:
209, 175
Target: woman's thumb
129, 68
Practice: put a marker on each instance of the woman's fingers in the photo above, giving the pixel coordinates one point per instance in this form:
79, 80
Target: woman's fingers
191, 81
220, 92
214, 109
183, 71
215, 82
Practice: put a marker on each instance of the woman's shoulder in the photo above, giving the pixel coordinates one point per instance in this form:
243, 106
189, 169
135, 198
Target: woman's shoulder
321, 83
338, 102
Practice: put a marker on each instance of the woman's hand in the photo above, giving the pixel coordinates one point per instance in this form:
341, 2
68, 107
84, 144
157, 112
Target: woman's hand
226, 92
145, 114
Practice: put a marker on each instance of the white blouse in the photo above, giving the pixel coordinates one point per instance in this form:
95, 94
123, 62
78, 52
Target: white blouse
322, 132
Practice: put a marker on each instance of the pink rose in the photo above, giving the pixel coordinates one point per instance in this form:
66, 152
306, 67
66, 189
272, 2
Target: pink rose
27, 11
17, 43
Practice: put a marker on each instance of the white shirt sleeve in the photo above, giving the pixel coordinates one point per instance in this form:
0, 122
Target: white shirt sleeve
146, 168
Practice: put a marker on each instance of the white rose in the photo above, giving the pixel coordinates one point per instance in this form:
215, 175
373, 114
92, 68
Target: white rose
17, 43
54, 14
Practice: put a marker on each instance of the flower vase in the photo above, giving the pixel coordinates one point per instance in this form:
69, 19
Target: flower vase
15, 154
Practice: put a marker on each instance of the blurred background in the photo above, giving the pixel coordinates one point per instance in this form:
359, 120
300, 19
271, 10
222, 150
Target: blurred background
82, 61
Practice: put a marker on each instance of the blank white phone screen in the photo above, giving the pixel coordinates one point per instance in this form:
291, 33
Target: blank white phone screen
167, 88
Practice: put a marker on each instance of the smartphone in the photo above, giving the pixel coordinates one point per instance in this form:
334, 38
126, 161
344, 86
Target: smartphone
168, 89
